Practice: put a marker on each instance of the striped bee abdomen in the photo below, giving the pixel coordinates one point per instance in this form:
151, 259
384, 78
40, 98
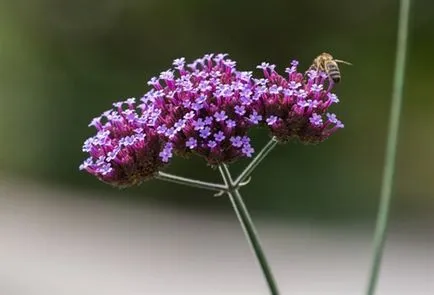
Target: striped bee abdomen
333, 71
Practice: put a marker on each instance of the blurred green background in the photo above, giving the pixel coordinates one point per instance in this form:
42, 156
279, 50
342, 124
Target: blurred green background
64, 62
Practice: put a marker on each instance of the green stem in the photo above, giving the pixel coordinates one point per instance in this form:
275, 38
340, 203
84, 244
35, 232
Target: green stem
191, 182
248, 227
255, 162
392, 141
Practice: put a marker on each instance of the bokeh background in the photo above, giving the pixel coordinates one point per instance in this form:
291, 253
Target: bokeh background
64, 62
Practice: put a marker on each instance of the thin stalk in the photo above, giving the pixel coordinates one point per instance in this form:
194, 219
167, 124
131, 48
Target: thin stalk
255, 162
248, 228
392, 141
191, 182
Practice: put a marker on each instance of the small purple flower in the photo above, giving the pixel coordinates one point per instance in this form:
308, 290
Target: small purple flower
255, 117
263, 66
131, 101
246, 91
219, 57
86, 164
166, 153
323, 75
260, 82
236, 141
138, 130
290, 70
198, 124
302, 93
161, 129
208, 120
153, 81
240, 110
339, 124
333, 98
219, 136
245, 76
271, 120
112, 154
118, 104
186, 104
208, 56
170, 132
247, 150
245, 140
196, 106
230, 63
316, 87
191, 143
312, 74
220, 116
316, 120
294, 85
189, 115
256, 96
331, 118
96, 122
245, 100
139, 137
237, 85
205, 86
87, 146
312, 103
227, 91
205, 132
127, 141
261, 90
105, 169
288, 92
179, 125
212, 144
274, 89
179, 62
130, 115
230, 123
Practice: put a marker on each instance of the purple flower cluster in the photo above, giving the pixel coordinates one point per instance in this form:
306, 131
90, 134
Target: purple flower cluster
296, 107
207, 108
126, 148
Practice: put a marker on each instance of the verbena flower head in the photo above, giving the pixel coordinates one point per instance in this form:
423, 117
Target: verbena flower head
126, 149
296, 107
207, 108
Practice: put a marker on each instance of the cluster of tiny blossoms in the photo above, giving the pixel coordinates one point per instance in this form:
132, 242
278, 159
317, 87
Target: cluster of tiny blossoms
206, 108
296, 107
126, 149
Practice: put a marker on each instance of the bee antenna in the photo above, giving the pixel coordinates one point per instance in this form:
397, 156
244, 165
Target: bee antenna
343, 61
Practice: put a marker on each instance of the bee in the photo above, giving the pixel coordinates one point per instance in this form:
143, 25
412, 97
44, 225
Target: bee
326, 63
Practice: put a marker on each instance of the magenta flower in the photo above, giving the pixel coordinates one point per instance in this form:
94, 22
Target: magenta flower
207, 108
295, 107
205, 104
127, 148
